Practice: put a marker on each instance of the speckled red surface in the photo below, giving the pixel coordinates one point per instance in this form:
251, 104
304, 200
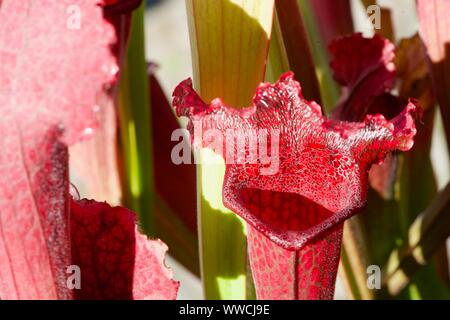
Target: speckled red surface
321, 178
50, 77
117, 261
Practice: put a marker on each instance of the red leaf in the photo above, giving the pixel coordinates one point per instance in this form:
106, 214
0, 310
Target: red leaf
34, 250
334, 17
116, 261
50, 76
434, 29
365, 69
310, 147
175, 183
322, 165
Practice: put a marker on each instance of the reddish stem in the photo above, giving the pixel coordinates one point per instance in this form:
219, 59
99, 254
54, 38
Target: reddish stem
305, 274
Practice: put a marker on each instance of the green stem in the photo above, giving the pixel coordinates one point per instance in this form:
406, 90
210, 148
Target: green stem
135, 127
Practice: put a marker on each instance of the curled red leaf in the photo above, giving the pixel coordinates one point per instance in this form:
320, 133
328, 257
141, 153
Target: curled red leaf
116, 261
58, 58
321, 174
365, 68
295, 196
54, 64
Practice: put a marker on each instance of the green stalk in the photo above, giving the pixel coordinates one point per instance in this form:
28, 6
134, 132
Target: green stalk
428, 231
353, 262
222, 236
135, 127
